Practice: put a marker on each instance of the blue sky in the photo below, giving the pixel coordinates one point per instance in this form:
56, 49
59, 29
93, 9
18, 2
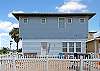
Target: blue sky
7, 21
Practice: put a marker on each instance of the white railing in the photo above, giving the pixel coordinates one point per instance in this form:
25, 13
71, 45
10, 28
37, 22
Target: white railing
47, 63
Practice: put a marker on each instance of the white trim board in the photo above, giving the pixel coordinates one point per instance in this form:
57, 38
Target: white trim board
55, 40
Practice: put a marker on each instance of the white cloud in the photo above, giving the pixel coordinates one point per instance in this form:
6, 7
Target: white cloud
10, 14
72, 6
7, 26
4, 34
75, 0
13, 25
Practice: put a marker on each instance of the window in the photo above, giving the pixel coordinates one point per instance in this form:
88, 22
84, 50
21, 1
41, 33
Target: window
69, 20
43, 20
78, 44
61, 22
25, 20
82, 20
64, 49
78, 49
71, 49
64, 44
71, 44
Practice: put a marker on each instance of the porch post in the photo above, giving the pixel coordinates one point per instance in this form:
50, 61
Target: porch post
81, 63
14, 63
95, 46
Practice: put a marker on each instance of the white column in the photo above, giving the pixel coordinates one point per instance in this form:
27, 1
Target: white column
95, 46
68, 47
47, 62
22, 47
83, 46
81, 63
14, 64
41, 49
74, 47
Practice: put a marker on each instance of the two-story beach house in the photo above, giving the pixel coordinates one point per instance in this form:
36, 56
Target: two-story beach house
53, 33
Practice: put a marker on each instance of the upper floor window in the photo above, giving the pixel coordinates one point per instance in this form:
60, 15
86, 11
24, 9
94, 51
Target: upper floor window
43, 20
69, 20
82, 20
25, 20
61, 22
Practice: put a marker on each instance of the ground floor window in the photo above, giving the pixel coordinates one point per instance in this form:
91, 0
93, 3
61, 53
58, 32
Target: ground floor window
71, 49
71, 46
78, 46
64, 49
78, 49
64, 45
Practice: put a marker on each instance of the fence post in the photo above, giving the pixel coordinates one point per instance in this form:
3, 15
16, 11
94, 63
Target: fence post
14, 63
1, 63
81, 63
47, 63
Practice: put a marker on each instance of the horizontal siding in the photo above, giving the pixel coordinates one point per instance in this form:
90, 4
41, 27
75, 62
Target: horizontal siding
55, 47
30, 47
35, 30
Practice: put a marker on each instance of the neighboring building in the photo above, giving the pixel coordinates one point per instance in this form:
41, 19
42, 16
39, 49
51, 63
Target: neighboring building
53, 33
93, 43
90, 42
91, 35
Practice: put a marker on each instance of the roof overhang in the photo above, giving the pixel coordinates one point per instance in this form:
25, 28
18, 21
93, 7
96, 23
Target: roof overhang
93, 39
96, 35
17, 15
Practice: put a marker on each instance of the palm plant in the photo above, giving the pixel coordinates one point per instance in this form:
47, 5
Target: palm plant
14, 33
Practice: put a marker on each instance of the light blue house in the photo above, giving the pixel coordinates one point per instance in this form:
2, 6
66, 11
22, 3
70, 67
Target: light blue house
53, 33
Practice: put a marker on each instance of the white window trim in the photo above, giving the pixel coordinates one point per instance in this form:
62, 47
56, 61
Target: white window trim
69, 22
27, 20
80, 21
58, 21
45, 20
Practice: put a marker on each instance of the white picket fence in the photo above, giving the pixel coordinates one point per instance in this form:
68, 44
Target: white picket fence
47, 63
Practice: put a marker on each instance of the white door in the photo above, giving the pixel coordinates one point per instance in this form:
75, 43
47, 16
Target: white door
44, 48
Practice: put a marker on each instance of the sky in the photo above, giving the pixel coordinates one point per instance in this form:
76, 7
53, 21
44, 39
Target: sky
8, 21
